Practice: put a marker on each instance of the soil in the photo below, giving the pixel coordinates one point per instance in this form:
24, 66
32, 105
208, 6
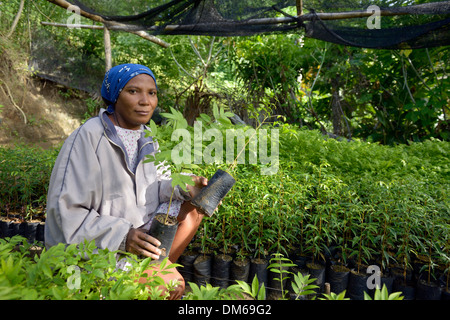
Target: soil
224, 257
50, 111
259, 261
241, 262
340, 268
171, 221
202, 258
315, 266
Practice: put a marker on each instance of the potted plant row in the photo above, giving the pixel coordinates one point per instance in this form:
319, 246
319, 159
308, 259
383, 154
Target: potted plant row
30, 226
373, 226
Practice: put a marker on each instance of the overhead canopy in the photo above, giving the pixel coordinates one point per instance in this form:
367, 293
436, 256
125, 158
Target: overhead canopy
385, 24
397, 25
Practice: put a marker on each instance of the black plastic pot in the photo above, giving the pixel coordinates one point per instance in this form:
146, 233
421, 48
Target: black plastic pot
165, 233
427, 291
301, 261
221, 268
202, 269
258, 268
317, 270
338, 276
240, 269
4, 228
9, 228
187, 261
274, 289
30, 230
208, 199
445, 295
407, 289
357, 285
40, 232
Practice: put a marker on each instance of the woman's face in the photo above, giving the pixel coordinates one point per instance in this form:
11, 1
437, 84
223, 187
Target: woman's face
136, 102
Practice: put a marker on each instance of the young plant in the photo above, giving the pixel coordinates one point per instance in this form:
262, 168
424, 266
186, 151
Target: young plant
208, 292
302, 285
164, 157
74, 272
403, 226
383, 294
363, 238
334, 296
279, 264
255, 291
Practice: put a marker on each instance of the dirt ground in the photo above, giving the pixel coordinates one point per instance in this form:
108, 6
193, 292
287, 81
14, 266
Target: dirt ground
32, 110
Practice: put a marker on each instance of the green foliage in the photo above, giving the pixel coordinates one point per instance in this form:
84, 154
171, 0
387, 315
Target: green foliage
208, 292
76, 272
302, 285
390, 96
280, 265
256, 291
365, 198
334, 296
24, 178
383, 294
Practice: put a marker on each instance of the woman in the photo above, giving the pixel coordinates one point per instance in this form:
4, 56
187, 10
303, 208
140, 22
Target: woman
102, 190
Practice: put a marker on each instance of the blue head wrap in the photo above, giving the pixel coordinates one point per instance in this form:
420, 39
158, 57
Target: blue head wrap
117, 77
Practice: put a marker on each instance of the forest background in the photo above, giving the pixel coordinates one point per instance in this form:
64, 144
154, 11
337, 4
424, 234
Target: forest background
385, 96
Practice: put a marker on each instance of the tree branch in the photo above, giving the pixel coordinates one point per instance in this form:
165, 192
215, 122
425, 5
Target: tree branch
16, 19
113, 25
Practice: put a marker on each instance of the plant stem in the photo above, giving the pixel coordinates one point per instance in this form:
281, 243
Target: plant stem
168, 208
234, 164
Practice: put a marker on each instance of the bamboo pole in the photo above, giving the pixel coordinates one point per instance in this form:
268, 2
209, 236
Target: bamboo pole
299, 4
75, 26
426, 8
107, 44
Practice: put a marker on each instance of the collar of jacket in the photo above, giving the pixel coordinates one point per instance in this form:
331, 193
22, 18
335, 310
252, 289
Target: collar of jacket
145, 144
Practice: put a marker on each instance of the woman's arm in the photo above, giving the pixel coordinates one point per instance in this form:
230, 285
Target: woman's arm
75, 197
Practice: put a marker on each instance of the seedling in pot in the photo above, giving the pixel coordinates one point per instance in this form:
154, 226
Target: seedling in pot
222, 181
209, 198
163, 228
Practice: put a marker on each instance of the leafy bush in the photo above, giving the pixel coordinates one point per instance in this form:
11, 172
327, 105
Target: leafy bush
378, 203
24, 177
368, 201
73, 272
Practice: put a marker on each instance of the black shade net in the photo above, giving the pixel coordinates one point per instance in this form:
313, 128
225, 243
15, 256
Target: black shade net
401, 24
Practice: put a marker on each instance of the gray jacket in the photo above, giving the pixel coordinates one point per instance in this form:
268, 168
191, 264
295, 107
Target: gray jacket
94, 195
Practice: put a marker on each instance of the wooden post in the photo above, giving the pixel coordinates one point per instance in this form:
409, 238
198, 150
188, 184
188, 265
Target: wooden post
299, 4
327, 288
107, 44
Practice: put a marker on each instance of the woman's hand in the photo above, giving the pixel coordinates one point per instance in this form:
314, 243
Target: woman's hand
200, 182
141, 243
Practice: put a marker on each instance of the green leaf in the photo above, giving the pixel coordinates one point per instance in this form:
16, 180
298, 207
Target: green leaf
181, 180
153, 128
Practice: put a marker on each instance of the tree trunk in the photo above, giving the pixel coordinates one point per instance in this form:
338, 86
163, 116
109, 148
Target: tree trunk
336, 113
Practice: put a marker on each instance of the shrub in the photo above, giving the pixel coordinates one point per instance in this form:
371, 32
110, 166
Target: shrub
75, 272
24, 177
